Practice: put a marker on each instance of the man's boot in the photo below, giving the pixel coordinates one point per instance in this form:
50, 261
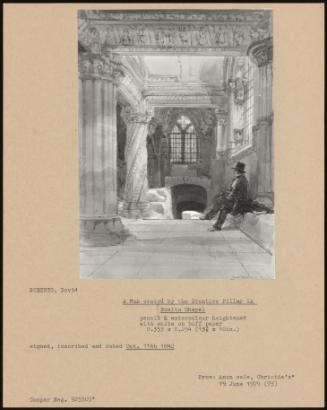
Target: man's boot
219, 222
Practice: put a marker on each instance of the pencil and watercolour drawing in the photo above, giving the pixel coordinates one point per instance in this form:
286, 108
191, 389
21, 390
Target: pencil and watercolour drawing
176, 144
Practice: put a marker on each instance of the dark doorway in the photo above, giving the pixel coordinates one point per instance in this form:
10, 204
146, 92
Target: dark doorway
188, 197
188, 206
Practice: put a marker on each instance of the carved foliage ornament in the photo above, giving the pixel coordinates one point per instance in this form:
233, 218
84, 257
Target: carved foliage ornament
182, 36
103, 66
239, 89
238, 137
101, 38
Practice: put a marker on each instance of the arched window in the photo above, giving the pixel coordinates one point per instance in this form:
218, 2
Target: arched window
183, 142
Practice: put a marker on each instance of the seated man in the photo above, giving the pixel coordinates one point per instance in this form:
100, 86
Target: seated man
235, 200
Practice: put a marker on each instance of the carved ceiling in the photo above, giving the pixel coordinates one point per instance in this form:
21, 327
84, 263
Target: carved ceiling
224, 32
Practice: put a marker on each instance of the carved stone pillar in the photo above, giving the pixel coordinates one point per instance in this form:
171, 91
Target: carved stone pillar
136, 184
261, 53
100, 225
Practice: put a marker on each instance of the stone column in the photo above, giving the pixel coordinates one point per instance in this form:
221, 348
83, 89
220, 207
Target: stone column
100, 225
136, 184
219, 161
221, 145
261, 53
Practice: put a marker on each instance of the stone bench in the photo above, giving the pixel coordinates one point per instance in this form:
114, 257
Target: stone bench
260, 227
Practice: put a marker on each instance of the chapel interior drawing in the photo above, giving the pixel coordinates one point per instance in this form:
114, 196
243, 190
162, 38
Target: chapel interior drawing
169, 102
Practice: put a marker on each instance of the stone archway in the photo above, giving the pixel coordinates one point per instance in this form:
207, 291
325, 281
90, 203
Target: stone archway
188, 197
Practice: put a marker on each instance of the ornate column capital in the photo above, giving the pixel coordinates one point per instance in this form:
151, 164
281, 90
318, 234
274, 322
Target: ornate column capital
106, 67
261, 52
221, 116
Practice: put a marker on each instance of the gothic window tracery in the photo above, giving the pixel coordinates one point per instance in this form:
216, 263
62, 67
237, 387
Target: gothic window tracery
183, 142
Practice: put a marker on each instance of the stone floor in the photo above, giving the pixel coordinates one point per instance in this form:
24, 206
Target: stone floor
178, 249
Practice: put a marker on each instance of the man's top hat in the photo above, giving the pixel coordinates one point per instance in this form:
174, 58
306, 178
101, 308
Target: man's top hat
240, 166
